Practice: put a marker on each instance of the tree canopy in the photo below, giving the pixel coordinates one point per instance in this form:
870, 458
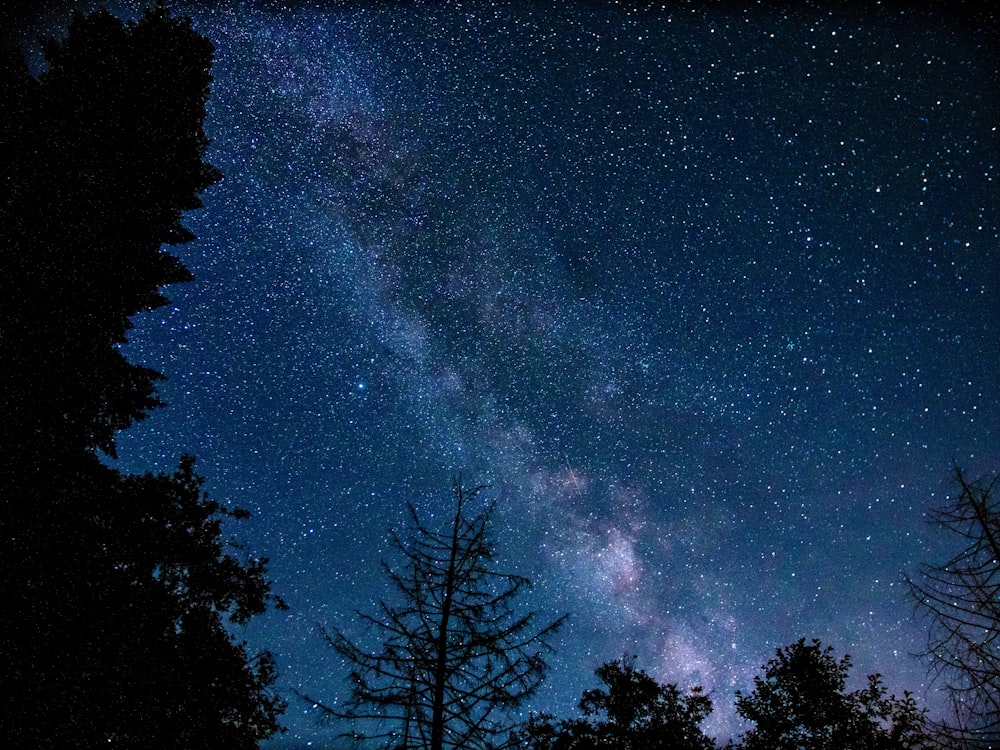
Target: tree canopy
801, 703
118, 588
105, 153
631, 712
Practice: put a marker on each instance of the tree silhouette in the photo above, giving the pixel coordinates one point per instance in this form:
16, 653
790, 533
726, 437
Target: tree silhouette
105, 152
800, 704
117, 589
455, 658
962, 600
632, 712
119, 619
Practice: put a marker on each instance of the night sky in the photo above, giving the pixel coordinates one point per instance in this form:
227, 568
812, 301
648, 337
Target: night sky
710, 296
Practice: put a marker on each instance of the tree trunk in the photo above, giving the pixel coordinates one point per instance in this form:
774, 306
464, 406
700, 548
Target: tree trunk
441, 658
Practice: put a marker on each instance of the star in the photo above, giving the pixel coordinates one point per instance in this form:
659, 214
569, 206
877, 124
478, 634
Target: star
706, 296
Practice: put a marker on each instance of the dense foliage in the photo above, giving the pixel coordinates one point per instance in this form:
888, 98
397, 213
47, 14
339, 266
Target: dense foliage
117, 588
631, 712
800, 703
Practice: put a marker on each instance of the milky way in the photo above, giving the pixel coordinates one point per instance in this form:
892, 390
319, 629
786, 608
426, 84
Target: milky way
709, 297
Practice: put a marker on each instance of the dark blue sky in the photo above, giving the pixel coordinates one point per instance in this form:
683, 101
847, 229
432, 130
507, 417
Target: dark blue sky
708, 295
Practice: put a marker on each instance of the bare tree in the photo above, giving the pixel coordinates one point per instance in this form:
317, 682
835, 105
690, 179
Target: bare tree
962, 600
455, 658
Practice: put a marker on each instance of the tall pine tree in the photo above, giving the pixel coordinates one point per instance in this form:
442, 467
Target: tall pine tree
116, 588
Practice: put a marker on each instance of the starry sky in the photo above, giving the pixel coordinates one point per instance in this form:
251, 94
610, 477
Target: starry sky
708, 294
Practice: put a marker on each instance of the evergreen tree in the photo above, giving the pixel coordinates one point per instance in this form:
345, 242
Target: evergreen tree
117, 589
455, 657
105, 152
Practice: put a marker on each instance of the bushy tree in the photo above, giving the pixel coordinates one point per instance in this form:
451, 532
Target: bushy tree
117, 589
116, 633
800, 703
961, 599
631, 712
451, 656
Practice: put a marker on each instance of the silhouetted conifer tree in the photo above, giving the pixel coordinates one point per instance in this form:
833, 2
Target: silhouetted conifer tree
116, 588
453, 657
